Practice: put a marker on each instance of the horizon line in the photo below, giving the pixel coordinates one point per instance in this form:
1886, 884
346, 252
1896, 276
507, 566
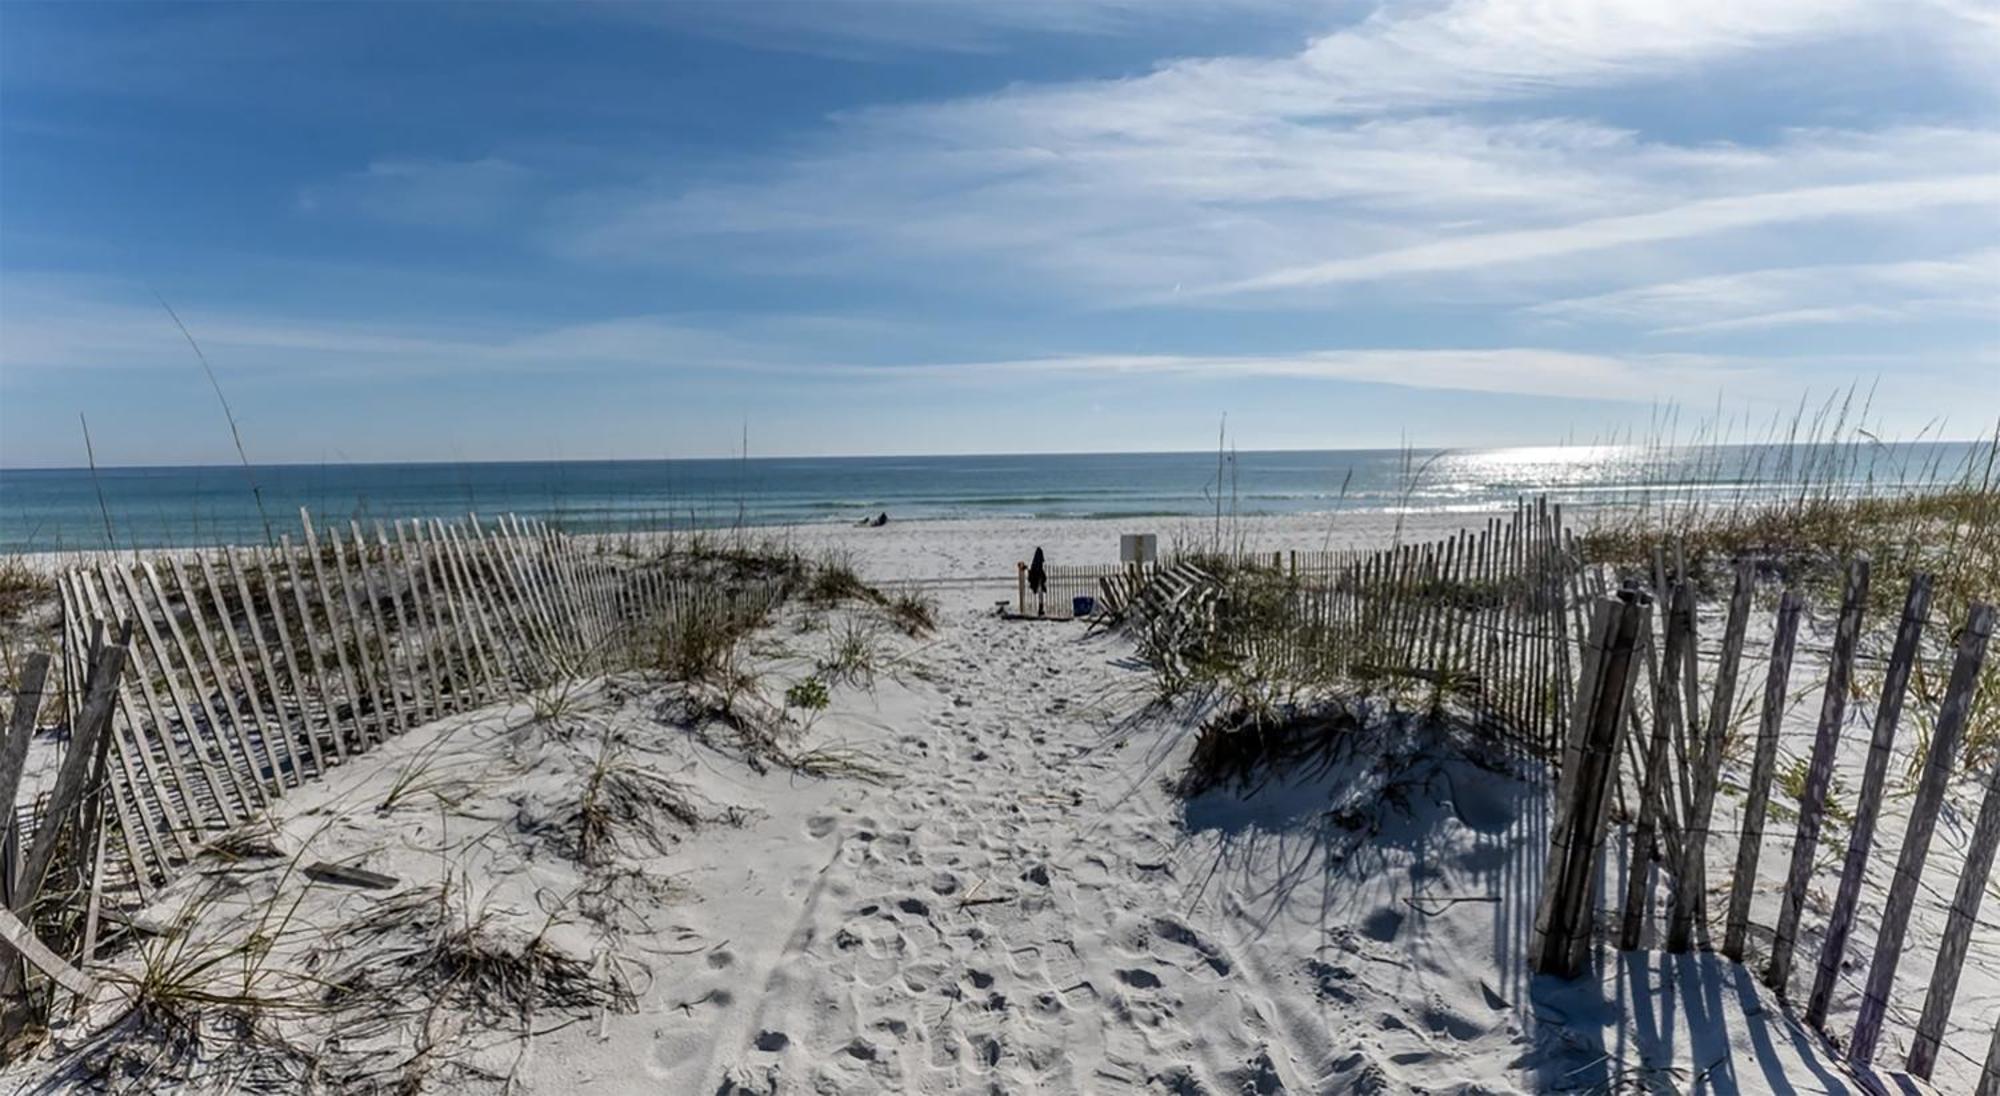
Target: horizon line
1426, 449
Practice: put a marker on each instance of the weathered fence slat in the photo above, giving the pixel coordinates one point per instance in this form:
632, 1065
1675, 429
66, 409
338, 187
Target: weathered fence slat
1691, 882
136, 609
21, 729
1657, 781
1952, 717
1868, 807
421, 627
322, 678
191, 810
1812, 803
1562, 920
1763, 768
333, 635
384, 655
1973, 879
364, 654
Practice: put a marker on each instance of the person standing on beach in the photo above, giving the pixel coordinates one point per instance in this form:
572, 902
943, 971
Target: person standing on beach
1038, 581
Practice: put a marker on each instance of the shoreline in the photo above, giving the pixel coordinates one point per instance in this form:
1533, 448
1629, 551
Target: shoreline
983, 548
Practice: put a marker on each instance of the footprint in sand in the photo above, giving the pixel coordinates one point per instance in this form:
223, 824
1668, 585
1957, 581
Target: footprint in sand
1166, 928
1139, 978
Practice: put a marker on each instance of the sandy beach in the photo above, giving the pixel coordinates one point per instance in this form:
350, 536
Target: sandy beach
992, 886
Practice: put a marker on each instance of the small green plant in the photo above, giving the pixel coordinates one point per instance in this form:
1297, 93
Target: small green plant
808, 695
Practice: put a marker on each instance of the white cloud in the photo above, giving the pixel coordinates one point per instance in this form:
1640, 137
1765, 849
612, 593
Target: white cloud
1421, 142
1960, 285
57, 324
1513, 370
1700, 218
871, 28
427, 192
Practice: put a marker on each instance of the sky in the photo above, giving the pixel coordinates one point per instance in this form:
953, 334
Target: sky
508, 231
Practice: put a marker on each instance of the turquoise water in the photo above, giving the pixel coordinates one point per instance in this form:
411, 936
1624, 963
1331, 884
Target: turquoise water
52, 509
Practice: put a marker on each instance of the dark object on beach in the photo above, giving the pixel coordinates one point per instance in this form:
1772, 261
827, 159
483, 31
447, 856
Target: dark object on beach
876, 522
1038, 580
347, 876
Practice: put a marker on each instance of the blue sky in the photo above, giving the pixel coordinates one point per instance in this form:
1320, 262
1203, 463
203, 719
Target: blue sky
506, 231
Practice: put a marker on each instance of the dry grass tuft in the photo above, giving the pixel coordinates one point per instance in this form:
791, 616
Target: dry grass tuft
853, 654
22, 588
913, 611
1234, 749
829, 761
420, 948
833, 581
624, 802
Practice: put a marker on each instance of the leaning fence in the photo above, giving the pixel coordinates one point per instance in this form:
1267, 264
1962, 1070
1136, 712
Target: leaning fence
1648, 734
1642, 719
250, 671
1483, 616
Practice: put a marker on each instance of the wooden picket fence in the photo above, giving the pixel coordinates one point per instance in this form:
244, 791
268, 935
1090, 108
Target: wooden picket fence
1484, 615
253, 670
1641, 731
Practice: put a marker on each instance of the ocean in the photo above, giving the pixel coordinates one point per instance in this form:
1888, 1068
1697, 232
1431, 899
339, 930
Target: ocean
67, 509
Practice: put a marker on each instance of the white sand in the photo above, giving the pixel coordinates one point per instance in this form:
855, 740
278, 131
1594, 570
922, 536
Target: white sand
1024, 907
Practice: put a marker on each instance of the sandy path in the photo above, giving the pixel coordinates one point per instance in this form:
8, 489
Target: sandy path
974, 925
1028, 909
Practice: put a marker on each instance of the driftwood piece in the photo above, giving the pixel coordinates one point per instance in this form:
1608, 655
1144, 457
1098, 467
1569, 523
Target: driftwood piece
349, 876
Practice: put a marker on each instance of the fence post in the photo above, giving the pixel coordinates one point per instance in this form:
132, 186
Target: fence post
1972, 881
1691, 884
20, 731
1657, 784
1562, 921
1952, 716
1861, 839
1833, 710
1757, 796
1989, 1078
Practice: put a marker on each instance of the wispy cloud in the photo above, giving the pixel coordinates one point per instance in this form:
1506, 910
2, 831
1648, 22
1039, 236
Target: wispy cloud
1965, 284
460, 194
1899, 198
1511, 370
860, 29
1417, 143
91, 326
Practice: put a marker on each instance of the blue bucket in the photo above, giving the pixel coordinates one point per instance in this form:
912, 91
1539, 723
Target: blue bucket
1082, 606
